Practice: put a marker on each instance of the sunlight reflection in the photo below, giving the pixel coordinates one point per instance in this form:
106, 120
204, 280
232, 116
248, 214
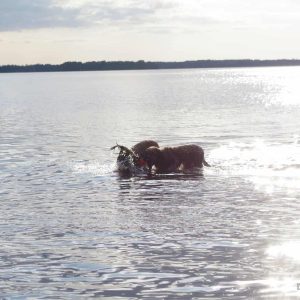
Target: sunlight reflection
269, 166
284, 286
286, 250
282, 91
289, 95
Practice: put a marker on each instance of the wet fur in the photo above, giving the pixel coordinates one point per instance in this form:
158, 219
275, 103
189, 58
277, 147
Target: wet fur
170, 159
129, 160
140, 147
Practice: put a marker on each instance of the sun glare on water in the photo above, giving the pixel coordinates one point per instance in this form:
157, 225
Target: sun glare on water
287, 250
268, 166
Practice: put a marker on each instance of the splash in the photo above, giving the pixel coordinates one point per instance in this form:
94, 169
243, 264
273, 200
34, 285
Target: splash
95, 168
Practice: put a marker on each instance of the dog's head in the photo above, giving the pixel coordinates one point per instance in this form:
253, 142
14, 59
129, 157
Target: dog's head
140, 147
151, 156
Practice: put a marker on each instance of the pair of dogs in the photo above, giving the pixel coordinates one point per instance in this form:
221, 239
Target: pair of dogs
147, 154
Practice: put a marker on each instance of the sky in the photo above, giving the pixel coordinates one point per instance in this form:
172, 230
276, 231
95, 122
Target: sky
55, 31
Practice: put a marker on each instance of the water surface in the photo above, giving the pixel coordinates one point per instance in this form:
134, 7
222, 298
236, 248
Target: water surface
71, 228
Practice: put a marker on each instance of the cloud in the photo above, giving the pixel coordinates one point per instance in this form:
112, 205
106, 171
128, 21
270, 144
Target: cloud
122, 11
33, 14
30, 14
143, 15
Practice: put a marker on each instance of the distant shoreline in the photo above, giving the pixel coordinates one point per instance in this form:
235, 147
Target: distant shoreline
144, 65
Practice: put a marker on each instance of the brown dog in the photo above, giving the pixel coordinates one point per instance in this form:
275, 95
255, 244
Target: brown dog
169, 159
140, 147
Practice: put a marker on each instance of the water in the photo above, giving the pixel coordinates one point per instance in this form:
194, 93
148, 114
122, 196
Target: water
70, 228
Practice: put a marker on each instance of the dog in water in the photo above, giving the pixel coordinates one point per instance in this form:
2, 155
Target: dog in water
129, 161
139, 148
173, 159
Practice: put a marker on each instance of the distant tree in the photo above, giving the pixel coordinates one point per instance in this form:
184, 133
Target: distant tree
142, 65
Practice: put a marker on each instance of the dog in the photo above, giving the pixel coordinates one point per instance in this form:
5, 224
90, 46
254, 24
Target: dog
139, 148
171, 159
129, 161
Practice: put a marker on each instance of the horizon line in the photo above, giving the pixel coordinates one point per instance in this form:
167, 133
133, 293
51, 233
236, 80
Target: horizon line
115, 65
153, 61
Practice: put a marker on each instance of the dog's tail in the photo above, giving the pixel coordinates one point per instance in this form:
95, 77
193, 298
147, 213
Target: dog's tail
206, 164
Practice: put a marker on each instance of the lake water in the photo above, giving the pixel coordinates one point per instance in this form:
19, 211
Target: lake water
71, 228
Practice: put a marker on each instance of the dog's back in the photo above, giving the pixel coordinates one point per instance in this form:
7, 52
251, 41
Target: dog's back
190, 156
170, 159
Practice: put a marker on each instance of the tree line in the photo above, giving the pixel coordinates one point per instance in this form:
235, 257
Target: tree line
144, 65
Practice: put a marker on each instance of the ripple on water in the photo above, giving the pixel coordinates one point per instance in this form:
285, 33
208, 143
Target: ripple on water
71, 228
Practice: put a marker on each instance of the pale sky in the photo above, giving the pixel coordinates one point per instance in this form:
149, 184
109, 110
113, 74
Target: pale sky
54, 31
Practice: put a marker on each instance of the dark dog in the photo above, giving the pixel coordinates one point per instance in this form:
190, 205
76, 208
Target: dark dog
130, 161
170, 159
140, 147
